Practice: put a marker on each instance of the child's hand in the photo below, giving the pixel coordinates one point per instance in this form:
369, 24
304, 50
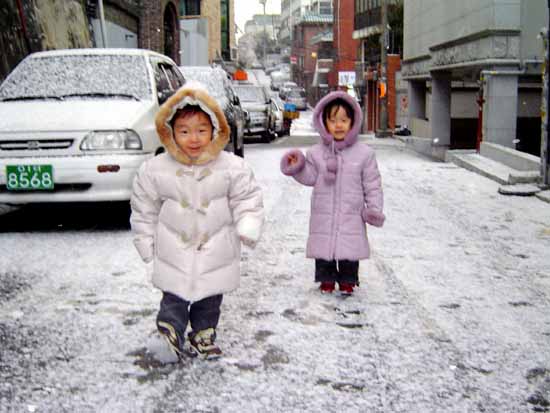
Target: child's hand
292, 162
292, 159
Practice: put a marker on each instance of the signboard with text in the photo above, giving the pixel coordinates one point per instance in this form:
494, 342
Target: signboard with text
346, 78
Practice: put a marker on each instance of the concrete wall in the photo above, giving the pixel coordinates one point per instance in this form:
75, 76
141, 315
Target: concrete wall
534, 16
74, 33
13, 47
420, 128
432, 22
529, 103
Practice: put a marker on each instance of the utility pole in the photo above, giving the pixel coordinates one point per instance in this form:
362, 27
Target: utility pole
262, 2
102, 23
545, 140
383, 82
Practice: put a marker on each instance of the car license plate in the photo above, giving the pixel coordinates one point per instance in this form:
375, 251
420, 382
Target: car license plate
29, 177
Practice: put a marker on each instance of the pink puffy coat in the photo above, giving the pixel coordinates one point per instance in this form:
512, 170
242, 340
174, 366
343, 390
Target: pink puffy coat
347, 189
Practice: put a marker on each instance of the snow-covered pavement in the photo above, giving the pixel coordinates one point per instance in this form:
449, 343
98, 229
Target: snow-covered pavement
452, 315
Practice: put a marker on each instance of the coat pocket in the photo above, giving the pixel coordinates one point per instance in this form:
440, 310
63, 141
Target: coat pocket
219, 251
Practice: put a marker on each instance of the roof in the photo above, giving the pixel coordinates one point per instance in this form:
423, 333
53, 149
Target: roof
325, 36
316, 18
99, 51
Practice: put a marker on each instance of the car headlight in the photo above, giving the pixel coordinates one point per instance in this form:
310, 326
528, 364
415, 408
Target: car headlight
111, 141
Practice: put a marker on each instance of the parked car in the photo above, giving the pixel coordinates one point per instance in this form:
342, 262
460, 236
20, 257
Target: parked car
278, 107
217, 83
75, 125
257, 103
285, 87
297, 96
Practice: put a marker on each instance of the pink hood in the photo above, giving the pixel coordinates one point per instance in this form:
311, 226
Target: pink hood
319, 126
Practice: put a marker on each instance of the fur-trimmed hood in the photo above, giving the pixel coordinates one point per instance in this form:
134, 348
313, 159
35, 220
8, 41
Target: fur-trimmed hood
192, 95
319, 125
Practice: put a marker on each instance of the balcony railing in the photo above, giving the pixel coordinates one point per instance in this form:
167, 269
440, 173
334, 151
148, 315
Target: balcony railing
372, 17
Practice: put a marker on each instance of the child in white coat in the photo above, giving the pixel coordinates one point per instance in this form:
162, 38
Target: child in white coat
192, 206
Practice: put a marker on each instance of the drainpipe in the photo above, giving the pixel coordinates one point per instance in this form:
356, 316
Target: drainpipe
102, 22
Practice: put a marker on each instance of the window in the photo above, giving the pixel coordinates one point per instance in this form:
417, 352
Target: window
190, 8
167, 78
224, 23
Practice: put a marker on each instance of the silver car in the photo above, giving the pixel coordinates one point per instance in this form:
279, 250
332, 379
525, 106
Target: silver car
257, 103
75, 125
297, 96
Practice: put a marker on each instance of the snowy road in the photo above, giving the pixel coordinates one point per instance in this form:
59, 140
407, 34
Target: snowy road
452, 315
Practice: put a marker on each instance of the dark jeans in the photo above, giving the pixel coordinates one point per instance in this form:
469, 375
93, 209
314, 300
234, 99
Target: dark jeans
201, 314
345, 272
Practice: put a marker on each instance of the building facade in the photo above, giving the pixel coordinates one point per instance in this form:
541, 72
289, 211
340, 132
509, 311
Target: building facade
260, 23
458, 55
305, 50
291, 14
219, 30
367, 30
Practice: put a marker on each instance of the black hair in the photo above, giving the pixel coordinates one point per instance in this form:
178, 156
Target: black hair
334, 105
189, 110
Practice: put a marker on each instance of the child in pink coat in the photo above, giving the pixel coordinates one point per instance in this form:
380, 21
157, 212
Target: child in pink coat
347, 192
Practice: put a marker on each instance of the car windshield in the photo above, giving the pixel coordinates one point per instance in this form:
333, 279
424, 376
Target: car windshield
250, 93
297, 94
211, 79
87, 76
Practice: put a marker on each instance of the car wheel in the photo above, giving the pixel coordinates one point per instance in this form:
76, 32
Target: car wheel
267, 136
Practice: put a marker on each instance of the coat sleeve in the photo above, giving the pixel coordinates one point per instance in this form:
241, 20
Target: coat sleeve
145, 203
372, 212
304, 171
246, 203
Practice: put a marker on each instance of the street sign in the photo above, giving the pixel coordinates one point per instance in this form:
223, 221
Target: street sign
293, 60
346, 78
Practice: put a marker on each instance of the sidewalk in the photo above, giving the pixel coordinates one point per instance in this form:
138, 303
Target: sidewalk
517, 172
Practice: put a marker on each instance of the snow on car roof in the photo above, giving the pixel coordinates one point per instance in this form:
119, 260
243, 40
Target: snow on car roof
98, 51
211, 78
78, 75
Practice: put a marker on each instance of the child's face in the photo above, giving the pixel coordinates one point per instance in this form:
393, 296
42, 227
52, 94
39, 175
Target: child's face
193, 133
338, 123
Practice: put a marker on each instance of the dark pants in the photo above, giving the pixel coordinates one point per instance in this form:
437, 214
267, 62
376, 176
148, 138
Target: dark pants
343, 272
201, 314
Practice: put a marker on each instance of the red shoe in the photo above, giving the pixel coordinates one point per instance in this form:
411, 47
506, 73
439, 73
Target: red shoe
346, 288
327, 287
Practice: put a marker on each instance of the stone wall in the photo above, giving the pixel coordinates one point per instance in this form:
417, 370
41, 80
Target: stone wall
37, 27
74, 33
13, 47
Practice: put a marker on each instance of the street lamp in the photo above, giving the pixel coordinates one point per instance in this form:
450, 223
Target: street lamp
263, 2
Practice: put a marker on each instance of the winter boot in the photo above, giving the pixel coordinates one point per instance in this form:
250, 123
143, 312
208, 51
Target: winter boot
346, 289
173, 339
202, 344
327, 287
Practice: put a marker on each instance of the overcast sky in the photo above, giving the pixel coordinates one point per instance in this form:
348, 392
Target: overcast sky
245, 9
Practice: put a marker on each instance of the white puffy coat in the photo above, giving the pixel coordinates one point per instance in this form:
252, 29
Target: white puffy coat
189, 217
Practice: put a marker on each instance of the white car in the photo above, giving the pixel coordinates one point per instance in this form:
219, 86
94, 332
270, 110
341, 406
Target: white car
75, 125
